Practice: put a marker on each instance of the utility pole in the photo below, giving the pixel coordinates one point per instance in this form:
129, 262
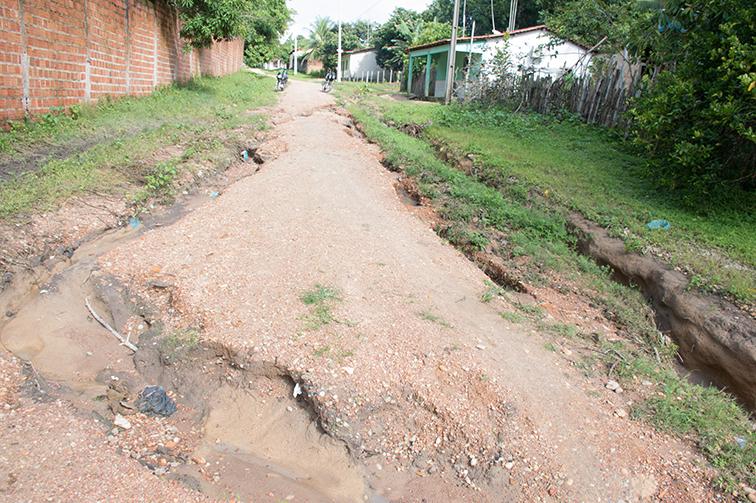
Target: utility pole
452, 55
512, 15
296, 63
338, 68
464, 18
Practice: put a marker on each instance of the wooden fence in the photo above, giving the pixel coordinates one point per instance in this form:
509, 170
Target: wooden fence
375, 76
598, 99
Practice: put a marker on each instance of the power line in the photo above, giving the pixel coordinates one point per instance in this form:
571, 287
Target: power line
370, 8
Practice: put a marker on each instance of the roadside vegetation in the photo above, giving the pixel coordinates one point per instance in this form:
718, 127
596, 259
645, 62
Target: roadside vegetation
562, 165
527, 173
136, 147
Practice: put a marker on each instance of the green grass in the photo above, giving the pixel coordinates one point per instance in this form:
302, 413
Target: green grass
534, 226
319, 294
179, 342
320, 299
429, 315
561, 329
531, 310
565, 166
117, 146
492, 291
512, 316
708, 415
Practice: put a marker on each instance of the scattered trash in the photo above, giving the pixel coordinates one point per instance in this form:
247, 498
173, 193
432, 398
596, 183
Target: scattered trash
348, 370
245, 155
213, 195
297, 390
742, 442
154, 400
659, 224
121, 422
134, 222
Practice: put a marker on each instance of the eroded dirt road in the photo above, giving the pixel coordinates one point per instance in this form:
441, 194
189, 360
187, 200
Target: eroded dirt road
423, 391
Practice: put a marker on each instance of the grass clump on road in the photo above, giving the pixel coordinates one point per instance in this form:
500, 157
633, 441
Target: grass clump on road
429, 315
129, 146
537, 244
320, 300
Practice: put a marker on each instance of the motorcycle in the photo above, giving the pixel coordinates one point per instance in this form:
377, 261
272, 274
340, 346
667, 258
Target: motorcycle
328, 82
281, 80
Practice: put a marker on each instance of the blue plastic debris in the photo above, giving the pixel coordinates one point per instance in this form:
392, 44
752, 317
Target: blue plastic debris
213, 195
154, 400
245, 155
659, 224
134, 222
742, 442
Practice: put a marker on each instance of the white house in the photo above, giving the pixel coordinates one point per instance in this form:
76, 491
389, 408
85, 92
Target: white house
533, 50
360, 62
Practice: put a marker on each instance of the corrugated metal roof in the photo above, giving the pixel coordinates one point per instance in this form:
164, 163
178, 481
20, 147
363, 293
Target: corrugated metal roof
485, 37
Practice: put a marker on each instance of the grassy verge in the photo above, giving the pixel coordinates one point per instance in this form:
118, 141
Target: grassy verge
575, 167
132, 145
530, 233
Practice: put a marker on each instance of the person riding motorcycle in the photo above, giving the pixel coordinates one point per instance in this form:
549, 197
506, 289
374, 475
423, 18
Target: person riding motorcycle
281, 79
330, 77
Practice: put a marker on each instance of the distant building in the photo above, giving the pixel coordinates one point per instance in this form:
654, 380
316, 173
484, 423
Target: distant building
532, 50
305, 62
360, 62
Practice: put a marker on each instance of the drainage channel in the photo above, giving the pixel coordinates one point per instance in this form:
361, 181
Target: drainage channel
716, 339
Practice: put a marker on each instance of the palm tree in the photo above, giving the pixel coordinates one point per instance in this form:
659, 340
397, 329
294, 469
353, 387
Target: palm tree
319, 33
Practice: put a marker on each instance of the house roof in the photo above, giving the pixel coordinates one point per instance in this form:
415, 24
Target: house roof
486, 37
358, 51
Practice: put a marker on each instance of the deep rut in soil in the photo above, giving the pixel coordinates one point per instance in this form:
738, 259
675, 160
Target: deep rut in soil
241, 427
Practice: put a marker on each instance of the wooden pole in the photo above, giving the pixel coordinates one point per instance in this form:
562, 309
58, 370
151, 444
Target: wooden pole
452, 55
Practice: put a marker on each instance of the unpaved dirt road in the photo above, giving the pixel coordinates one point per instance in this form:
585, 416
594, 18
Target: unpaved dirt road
415, 373
420, 391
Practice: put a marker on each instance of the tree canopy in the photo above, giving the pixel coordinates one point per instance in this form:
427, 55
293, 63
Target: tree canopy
323, 40
204, 21
480, 12
406, 28
696, 116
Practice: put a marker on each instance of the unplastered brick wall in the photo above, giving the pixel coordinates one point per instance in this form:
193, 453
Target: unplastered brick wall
57, 53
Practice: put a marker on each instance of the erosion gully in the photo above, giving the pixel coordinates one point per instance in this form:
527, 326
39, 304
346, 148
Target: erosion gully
716, 339
247, 423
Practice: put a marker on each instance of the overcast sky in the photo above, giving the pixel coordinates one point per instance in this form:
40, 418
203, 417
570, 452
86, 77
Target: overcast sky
348, 10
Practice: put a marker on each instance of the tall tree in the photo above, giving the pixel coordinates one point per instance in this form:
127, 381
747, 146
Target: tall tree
267, 23
320, 32
480, 12
404, 29
204, 21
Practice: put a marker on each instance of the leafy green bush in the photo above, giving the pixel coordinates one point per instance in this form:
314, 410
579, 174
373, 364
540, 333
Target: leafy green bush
695, 117
696, 121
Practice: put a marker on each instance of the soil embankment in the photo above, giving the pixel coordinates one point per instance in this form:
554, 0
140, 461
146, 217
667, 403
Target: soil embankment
715, 338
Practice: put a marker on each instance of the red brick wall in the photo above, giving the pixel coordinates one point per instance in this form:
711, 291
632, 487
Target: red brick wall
57, 53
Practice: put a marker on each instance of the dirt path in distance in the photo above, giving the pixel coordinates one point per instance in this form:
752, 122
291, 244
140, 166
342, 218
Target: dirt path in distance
435, 396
